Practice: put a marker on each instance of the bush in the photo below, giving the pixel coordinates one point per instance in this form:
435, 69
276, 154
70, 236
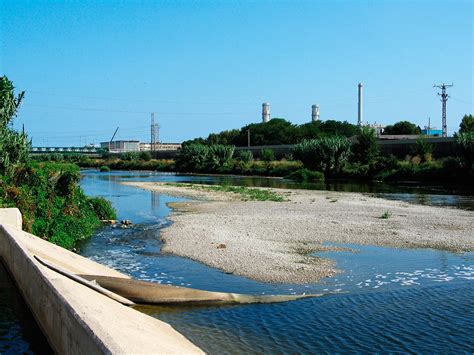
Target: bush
67, 182
220, 155
245, 156
104, 169
423, 149
53, 205
57, 157
306, 175
267, 155
200, 158
129, 156
103, 208
146, 156
326, 154
192, 157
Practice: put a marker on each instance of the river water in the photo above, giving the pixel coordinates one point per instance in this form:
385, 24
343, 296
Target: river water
396, 300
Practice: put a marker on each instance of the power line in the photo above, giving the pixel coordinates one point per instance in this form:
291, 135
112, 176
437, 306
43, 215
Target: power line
211, 102
462, 101
136, 112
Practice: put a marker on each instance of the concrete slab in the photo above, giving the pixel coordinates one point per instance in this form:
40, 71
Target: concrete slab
75, 318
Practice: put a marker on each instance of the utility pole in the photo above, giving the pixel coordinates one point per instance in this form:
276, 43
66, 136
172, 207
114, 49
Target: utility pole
248, 138
429, 126
444, 98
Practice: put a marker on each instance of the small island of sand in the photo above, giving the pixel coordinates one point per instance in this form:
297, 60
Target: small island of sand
273, 241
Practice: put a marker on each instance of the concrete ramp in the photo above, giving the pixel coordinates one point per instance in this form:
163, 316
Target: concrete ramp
154, 293
74, 318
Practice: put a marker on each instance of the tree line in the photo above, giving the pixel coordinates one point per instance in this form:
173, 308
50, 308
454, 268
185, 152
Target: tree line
279, 131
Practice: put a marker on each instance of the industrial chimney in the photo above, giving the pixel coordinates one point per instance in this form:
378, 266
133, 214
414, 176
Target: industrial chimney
265, 112
315, 113
359, 113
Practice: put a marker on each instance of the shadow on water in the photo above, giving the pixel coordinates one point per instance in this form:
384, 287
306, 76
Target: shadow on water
19, 332
399, 300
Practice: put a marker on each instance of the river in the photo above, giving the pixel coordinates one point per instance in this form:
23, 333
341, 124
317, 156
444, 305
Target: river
396, 300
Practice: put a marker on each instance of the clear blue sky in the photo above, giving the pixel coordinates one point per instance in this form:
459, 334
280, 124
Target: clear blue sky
206, 66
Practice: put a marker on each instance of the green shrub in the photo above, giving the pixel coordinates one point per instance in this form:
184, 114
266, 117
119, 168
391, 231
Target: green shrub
53, 205
103, 208
67, 182
267, 155
145, 156
57, 157
220, 155
104, 169
423, 149
245, 156
306, 175
326, 154
192, 157
129, 156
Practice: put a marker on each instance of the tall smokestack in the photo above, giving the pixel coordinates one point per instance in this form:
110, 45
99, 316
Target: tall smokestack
265, 112
315, 113
359, 113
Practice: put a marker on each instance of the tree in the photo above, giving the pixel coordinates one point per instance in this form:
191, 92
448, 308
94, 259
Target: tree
275, 132
465, 147
14, 146
402, 127
338, 128
310, 130
365, 149
467, 124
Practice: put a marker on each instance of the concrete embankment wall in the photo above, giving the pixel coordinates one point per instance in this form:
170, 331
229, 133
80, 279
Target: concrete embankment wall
74, 318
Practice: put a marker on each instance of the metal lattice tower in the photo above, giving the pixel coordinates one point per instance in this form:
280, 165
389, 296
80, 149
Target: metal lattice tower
155, 133
444, 98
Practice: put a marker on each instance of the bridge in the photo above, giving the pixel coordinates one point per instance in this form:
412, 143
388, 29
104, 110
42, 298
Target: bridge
83, 150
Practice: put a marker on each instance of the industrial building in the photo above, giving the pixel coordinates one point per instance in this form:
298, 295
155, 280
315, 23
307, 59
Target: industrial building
121, 146
432, 131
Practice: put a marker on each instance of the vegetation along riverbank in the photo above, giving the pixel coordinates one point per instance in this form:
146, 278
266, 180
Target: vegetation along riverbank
320, 151
53, 205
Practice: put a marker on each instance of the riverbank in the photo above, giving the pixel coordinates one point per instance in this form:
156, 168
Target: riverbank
272, 241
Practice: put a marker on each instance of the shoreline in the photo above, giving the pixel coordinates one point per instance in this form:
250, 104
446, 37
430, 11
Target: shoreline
272, 241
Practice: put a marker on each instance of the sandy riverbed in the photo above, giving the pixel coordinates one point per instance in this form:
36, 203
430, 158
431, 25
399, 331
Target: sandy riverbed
271, 241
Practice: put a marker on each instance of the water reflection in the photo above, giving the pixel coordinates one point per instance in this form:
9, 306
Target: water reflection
434, 195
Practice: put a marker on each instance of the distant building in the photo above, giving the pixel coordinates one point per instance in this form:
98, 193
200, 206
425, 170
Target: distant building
432, 131
378, 128
121, 146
